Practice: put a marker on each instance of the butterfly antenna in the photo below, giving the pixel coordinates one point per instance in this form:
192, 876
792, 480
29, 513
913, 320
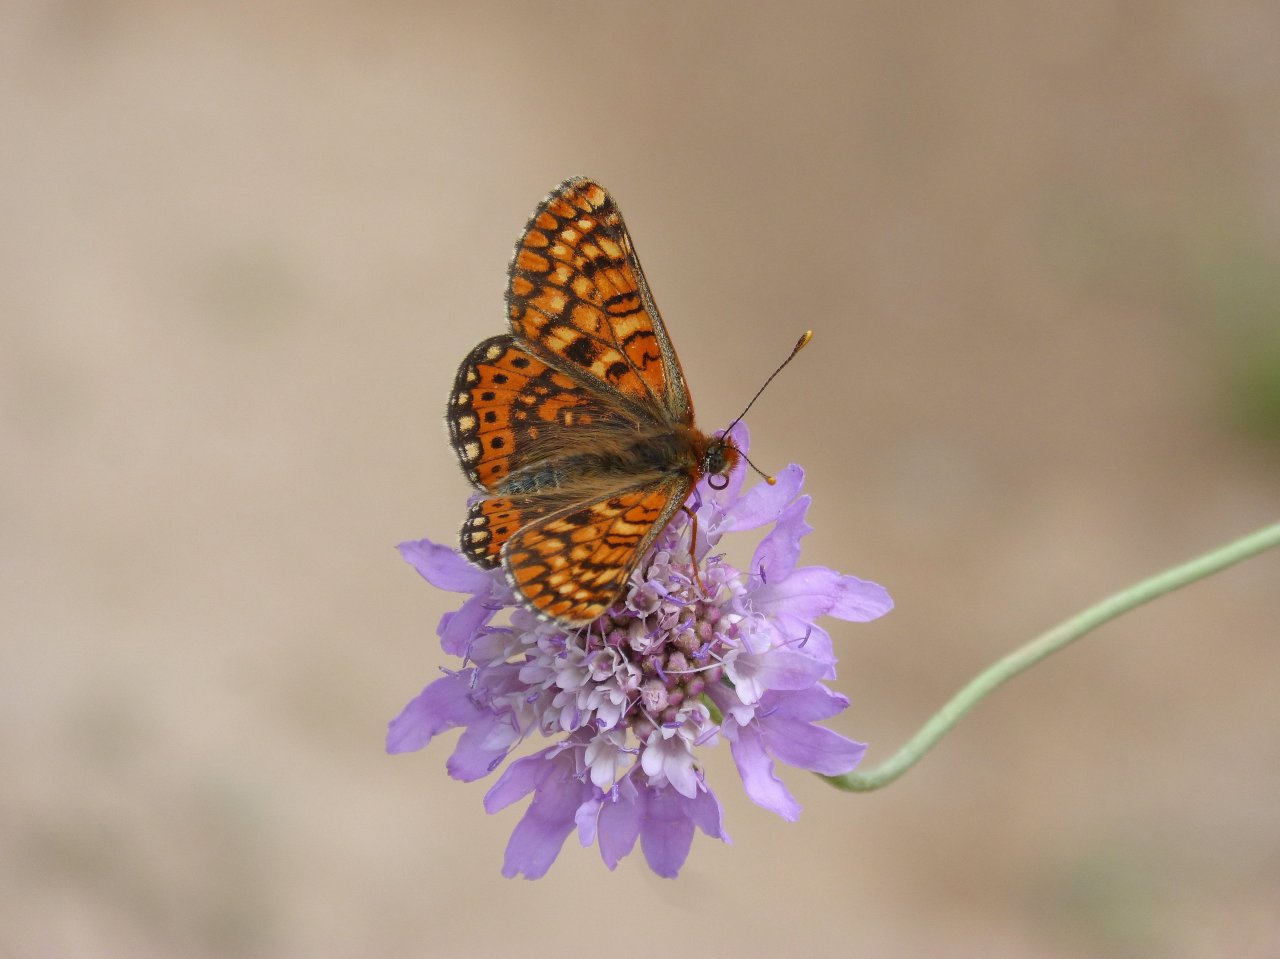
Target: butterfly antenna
771, 480
800, 345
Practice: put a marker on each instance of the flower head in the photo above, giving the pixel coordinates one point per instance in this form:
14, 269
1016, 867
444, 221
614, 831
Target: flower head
697, 650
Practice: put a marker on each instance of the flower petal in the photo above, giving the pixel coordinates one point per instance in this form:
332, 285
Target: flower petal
667, 758
763, 503
810, 747
444, 567
458, 629
810, 639
587, 818
756, 769
481, 748
607, 757
754, 674
729, 702
775, 557
618, 824
666, 830
519, 779
791, 669
806, 705
861, 600
814, 591
708, 815
444, 704
538, 837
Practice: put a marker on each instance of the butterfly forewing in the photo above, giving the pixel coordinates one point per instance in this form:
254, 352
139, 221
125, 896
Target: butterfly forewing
576, 291
504, 403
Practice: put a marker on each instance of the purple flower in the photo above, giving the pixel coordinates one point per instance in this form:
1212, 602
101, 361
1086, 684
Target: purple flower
633, 696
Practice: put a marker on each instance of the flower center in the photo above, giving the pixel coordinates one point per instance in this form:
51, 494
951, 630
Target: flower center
667, 642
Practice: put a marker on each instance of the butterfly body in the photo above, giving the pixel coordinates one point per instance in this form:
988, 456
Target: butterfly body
612, 460
576, 426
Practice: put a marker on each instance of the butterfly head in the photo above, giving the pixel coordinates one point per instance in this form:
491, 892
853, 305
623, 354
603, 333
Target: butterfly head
719, 458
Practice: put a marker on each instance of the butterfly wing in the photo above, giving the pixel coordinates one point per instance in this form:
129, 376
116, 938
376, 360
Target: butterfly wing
577, 295
586, 378
520, 429
511, 416
494, 520
573, 564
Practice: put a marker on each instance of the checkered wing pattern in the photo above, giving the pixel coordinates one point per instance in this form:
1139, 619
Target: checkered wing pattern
577, 292
576, 426
572, 565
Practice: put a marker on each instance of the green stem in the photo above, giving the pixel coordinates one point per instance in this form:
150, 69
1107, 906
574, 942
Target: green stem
1046, 644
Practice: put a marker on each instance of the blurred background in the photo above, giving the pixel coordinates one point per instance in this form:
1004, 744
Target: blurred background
244, 247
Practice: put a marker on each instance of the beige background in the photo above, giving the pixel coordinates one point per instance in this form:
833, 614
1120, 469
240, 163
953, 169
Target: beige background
244, 246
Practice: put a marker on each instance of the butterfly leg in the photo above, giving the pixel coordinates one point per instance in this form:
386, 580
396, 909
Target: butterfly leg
693, 549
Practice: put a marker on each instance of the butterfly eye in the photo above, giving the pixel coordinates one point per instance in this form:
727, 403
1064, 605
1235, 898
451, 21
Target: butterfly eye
715, 462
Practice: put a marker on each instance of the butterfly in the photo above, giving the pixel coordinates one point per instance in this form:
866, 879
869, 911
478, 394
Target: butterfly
576, 427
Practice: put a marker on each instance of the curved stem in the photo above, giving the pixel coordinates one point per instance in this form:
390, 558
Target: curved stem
1049, 643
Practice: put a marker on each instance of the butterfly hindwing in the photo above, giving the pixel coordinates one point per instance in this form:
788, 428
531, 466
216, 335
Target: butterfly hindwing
573, 564
576, 291
491, 522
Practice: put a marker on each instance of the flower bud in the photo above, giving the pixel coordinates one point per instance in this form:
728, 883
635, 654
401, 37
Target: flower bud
653, 696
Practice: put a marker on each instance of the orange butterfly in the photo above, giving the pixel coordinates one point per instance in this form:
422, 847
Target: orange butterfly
577, 425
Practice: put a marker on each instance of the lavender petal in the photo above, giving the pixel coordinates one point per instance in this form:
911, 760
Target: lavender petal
756, 769
806, 705
619, 824
519, 779
763, 503
481, 747
861, 600
666, 831
538, 837
814, 591
442, 705
708, 815
775, 557
444, 567
811, 747
458, 629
